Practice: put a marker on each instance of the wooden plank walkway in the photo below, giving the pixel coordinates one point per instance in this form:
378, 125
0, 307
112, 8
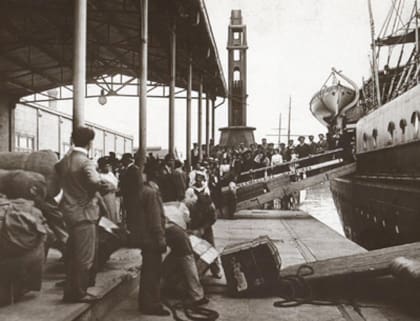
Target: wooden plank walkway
285, 187
300, 239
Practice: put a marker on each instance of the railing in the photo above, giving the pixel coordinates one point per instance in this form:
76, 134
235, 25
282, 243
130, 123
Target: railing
269, 172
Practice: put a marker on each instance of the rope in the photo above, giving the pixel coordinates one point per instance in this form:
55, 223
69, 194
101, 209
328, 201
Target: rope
299, 291
191, 312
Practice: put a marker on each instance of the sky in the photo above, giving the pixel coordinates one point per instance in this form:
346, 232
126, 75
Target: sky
293, 44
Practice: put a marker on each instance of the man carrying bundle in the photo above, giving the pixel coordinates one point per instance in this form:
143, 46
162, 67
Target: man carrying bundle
80, 182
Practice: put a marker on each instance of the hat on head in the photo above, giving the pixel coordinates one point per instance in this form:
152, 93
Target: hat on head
127, 156
105, 160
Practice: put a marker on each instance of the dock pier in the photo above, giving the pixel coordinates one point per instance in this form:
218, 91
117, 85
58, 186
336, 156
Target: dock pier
300, 239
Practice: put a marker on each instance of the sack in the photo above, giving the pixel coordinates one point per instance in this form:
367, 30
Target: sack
42, 162
22, 228
18, 184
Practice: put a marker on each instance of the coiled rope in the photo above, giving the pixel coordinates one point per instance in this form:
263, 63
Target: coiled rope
298, 291
193, 313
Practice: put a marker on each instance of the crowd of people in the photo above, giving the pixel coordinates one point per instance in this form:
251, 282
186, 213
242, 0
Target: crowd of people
90, 190
138, 203
228, 163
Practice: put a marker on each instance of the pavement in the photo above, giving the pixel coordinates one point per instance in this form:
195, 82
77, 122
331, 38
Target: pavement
113, 284
299, 238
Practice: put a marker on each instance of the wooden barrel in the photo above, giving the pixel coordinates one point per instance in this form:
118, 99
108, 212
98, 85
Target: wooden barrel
41, 162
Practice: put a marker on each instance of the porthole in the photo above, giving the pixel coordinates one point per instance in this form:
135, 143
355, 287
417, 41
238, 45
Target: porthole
391, 129
375, 137
403, 125
415, 122
364, 141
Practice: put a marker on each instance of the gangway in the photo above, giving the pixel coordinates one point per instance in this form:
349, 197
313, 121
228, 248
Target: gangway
257, 187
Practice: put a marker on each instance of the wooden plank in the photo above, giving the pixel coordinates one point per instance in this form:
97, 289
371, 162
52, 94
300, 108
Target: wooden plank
373, 263
291, 187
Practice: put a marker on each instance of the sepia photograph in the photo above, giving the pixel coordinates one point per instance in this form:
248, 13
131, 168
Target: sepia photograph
203, 160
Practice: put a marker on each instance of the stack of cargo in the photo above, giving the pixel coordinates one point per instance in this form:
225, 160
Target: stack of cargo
27, 180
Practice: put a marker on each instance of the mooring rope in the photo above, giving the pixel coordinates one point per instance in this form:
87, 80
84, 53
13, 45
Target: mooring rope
194, 313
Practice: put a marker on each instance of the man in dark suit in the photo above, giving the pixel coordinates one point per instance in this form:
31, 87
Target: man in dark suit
166, 181
148, 231
129, 187
80, 182
302, 149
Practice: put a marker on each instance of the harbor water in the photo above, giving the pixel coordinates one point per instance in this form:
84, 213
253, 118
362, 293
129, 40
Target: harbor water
320, 204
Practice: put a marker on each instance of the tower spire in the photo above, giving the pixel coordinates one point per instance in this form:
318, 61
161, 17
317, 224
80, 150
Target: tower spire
237, 46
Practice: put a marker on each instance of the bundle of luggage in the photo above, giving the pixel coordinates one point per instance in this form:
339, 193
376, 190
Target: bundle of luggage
26, 181
31, 222
23, 232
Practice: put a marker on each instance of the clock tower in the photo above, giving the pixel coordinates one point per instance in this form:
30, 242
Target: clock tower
237, 132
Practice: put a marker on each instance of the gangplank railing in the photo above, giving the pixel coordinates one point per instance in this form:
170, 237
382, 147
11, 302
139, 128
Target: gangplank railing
254, 183
264, 173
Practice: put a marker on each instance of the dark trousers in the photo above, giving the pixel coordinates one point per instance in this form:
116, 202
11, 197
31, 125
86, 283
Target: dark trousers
151, 270
209, 237
80, 257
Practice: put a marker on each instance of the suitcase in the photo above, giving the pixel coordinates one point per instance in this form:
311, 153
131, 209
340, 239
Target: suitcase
251, 267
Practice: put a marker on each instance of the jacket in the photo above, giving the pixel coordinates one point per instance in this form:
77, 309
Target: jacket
149, 225
79, 181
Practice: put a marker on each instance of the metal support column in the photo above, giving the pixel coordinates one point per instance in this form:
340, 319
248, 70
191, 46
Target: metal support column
207, 124
200, 111
172, 40
189, 89
141, 154
79, 62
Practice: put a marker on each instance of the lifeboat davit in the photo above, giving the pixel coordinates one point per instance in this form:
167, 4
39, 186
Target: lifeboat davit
332, 101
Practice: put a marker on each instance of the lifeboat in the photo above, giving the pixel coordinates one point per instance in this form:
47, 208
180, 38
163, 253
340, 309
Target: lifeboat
332, 101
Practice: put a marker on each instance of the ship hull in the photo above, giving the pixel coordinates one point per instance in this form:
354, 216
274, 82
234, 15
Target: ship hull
379, 205
377, 214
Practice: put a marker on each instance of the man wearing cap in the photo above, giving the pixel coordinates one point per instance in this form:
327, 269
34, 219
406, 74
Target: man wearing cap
289, 150
129, 187
322, 144
166, 181
180, 180
302, 149
312, 145
80, 182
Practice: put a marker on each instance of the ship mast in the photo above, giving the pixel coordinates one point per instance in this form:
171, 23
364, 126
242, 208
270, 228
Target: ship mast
417, 37
290, 112
279, 139
374, 58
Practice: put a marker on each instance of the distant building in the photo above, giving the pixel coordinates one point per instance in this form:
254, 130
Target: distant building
37, 128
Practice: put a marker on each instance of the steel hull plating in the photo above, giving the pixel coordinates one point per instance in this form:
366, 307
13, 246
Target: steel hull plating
378, 214
379, 205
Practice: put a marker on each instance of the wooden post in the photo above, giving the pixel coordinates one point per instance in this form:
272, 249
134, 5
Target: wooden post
200, 111
172, 40
207, 124
189, 89
79, 62
141, 154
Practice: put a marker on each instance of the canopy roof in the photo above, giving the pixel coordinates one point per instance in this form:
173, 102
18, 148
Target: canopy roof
36, 37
